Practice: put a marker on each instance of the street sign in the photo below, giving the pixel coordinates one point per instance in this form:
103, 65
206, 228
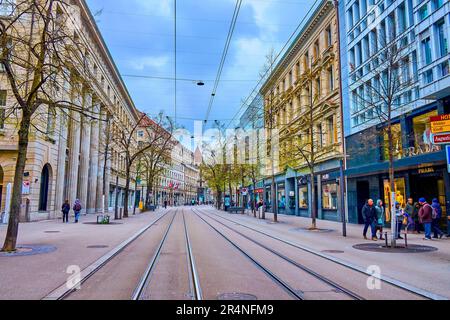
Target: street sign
447, 151
441, 138
440, 124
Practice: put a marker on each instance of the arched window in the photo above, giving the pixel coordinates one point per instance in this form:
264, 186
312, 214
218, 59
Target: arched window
45, 186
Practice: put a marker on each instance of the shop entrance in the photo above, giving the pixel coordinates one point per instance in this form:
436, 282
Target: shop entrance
429, 187
362, 194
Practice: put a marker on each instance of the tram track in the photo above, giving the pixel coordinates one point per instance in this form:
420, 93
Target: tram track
402, 286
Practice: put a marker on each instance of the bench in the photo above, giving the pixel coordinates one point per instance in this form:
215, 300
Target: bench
103, 219
236, 210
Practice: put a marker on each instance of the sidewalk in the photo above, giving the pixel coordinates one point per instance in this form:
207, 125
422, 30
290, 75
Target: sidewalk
33, 277
429, 271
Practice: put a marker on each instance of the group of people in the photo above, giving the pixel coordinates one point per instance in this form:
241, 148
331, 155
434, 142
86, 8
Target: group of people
414, 215
66, 210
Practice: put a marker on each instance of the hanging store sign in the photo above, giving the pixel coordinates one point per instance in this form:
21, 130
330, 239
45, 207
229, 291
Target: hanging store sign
26, 188
440, 124
442, 138
447, 152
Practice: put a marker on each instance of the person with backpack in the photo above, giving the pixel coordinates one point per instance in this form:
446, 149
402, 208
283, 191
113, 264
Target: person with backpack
437, 215
65, 211
426, 217
77, 209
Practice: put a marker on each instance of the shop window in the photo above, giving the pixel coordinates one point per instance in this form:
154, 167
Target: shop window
422, 131
281, 194
303, 197
400, 195
396, 142
329, 196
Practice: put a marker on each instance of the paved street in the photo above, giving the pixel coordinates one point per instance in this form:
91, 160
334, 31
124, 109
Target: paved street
189, 253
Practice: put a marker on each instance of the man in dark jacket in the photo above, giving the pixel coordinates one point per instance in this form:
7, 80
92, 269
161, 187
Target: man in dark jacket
65, 211
370, 217
436, 222
426, 217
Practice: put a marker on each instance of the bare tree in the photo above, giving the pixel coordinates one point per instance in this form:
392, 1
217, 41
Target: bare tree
126, 138
380, 93
45, 64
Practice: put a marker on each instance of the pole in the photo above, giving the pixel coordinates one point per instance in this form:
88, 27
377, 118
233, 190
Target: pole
342, 191
393, 221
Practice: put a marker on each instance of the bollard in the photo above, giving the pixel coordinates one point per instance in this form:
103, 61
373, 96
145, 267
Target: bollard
406, 240
386, 239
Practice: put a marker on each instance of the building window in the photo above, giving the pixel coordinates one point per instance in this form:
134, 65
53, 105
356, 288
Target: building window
444, 68
329, 36
426, 47
441, 38
422, 130
437, 4
2, 108
140, 134
316, 50
303, 197
396, 142
428, 76
331, 78
331, 131
400, 195
329, 196
423, 12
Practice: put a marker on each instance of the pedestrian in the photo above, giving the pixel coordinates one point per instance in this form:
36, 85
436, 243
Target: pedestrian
65, 211
370, 216
77, 209
437, 215
380, 218
426, 217
409, 211
165, 204
417, 225
399, 216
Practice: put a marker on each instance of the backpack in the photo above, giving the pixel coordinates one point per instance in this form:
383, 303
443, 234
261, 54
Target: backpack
434, 213
77, 207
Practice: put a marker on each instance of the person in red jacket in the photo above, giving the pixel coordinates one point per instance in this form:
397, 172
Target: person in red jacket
426, 217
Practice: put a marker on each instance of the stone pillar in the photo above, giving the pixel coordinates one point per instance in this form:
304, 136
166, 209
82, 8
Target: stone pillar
61, 169
107, 178
83, 173
101, 161
74, 154
93, 164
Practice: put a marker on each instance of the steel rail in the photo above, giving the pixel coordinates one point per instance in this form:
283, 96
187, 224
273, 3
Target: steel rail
271, 275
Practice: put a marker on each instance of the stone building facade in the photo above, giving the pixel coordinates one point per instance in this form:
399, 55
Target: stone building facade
69, 156
302, 99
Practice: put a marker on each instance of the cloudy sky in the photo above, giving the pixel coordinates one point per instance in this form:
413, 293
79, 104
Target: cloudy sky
140, 36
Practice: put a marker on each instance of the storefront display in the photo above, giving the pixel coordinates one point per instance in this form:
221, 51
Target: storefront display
400, 195
281, 196
303, 197
329, 196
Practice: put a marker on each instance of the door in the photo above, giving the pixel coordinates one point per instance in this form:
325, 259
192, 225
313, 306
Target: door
363, 194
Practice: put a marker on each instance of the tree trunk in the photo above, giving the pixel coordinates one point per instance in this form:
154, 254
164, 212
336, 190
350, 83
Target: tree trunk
116, 205
127, 191
254, 199
392, 184
16, 199
274, 200
313, 202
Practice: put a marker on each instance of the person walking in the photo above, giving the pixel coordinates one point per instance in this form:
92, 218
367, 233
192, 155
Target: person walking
409, 211
77, 209
426, 217
165, 204
436, 219
380, 218
399, 216
370, 216
65, 211
260, 208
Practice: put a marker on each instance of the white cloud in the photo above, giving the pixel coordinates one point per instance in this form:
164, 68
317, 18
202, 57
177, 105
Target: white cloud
154, 62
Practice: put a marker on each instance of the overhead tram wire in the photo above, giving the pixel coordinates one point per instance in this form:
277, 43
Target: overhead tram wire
224, 56
255, 89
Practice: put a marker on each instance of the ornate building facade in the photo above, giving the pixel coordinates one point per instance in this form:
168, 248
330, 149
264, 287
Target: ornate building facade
302, 116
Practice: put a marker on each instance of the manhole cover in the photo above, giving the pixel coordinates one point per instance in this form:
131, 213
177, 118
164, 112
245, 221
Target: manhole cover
312, 231
52, 231
97, 246
332, 251
412, 248
28, 250
236, 296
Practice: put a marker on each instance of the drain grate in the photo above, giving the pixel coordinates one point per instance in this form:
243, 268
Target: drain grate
97, 246
52, 231
332, 251
236, 296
